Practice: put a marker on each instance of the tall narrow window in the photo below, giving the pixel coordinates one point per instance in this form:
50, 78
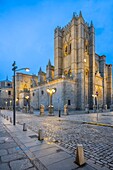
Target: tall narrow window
69, 102
66, 49
42, 92
9, 93
70, 48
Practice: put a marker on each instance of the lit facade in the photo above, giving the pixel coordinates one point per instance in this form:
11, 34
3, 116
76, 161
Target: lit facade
78, 72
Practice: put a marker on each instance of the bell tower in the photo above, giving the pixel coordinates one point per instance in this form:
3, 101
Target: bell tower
75, 57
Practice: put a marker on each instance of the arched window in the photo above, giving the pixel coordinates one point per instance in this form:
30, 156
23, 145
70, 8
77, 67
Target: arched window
66, 49
70, 48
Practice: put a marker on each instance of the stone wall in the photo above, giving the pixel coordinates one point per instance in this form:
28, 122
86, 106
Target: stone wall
65, 91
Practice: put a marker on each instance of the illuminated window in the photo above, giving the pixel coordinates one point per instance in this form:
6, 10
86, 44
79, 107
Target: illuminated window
66, 49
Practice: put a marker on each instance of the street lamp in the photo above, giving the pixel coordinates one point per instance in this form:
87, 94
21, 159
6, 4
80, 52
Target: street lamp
27, 102
51, 92
6, 104
94, 96
14, 69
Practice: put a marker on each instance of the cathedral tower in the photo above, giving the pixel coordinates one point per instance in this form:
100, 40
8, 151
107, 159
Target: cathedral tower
75, 57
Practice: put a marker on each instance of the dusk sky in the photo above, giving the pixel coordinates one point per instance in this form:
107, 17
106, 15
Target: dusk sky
27, 30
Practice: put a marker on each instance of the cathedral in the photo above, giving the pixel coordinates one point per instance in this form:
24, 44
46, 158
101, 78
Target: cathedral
80, 76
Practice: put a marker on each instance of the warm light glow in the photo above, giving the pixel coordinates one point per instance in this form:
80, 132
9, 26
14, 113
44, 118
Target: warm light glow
27, 69
51, 91
27, 97
48, 90
85, 60
16, 100
94, 95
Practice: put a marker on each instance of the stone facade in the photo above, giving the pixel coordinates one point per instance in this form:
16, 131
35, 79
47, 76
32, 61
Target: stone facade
23, 84
78, 72
65, 90
75, 53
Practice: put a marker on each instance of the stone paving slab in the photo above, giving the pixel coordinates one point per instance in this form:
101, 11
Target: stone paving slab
52, 158
32, 168
41, 147
20, 164
14, 149
8, 145
33, 143
3, 152
67, 164
47, 151
11, 155
4, 166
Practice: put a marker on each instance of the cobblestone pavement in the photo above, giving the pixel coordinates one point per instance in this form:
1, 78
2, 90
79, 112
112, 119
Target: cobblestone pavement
68, 132
11, 155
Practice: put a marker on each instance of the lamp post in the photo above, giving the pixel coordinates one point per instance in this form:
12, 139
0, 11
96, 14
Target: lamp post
14, 69
95, 96
27, 103
51, 92
6, 104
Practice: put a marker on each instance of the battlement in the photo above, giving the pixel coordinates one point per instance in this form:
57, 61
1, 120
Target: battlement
103, 57
58, 29
109, 66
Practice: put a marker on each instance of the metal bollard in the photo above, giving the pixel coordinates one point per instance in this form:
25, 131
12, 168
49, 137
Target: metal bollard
80, 160
10, 119
24, 127
40, 134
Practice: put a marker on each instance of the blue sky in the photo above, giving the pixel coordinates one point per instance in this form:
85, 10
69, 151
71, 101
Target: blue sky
27, 30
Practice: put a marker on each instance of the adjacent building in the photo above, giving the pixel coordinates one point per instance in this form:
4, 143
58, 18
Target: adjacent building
24, 82
6, 94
